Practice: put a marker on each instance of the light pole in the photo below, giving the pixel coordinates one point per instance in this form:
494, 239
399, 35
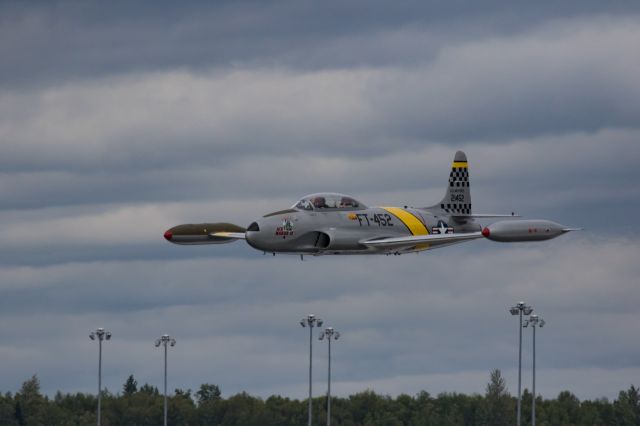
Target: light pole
519, 309
101, 335
310, 321
534, 321
165, 340
331, 334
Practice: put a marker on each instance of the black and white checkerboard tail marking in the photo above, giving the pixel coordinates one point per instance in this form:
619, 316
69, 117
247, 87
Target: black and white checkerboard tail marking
457, 199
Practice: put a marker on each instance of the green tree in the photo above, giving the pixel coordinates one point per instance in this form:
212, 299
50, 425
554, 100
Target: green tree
78, 409
283, 411
144, 407
149, 390
130, 386
7, 410
627, 407
449, 409
184, 394
499, 405
31, 406
208, 392
244, 410
404, 407
598, 412
564, 410
425, 410
182, 409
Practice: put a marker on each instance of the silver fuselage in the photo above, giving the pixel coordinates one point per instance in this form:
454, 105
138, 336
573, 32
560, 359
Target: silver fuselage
341, 231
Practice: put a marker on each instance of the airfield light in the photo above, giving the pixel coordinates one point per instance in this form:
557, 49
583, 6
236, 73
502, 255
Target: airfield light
330, 334
101, 335
165, 340
519, 309
535, 322
310, 321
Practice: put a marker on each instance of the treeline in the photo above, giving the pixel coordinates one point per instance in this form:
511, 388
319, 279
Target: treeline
144, 406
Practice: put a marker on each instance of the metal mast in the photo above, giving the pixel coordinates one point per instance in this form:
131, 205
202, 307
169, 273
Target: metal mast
534, 321
101, 334
165, 340
519, 309
330, 334
310, 321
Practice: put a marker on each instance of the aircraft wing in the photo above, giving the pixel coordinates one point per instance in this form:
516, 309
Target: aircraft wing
229, 235
487, 215
431, 240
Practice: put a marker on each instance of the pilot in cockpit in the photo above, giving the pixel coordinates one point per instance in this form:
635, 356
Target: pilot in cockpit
348, 202
319, 203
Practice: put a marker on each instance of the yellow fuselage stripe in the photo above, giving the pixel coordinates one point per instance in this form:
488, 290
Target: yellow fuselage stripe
414, 224
464, 164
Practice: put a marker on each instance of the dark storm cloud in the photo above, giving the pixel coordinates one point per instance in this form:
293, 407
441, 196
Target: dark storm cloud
118, 122
61, 41
554, 80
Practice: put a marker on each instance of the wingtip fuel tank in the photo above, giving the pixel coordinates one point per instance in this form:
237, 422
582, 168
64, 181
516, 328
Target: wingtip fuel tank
511, 231
202, 233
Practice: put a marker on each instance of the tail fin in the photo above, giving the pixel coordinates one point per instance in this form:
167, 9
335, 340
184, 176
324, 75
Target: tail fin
457, 199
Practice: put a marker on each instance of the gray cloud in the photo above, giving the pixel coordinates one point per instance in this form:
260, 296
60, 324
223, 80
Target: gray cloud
473, 92
431, 321
117, 124
65, 41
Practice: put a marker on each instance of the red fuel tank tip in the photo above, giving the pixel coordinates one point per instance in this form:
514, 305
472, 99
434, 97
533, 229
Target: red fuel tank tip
168, 235
486, 233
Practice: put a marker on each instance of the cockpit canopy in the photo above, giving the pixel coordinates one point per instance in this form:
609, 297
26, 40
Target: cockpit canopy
328, 201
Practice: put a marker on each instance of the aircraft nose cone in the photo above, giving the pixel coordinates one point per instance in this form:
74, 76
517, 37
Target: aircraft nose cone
168, 235
254, 237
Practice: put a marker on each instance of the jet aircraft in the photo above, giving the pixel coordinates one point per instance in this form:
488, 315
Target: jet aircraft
337, 224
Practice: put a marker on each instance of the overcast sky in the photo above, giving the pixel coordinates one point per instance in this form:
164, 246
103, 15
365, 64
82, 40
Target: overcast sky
117, 123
